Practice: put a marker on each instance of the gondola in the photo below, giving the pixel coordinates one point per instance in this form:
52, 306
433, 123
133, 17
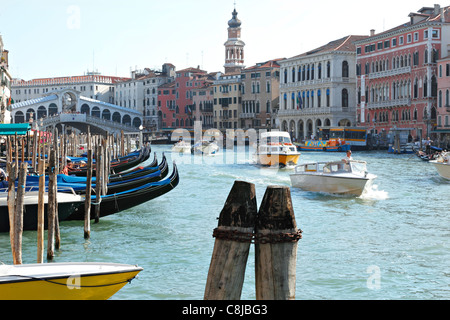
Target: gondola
68, 203
78, 184
118, 165
121, 201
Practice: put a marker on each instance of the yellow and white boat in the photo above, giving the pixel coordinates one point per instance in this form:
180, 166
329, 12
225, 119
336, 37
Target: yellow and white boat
275, 148
64, 281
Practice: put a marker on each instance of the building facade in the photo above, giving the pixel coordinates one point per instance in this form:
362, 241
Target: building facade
318, 88
260, 95
140, 93
167, 106
93, 86
442, 129
227, 100
186, 82
5, 85
397, 75
203, 103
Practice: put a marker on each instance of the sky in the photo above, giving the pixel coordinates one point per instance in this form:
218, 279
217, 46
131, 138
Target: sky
55, 38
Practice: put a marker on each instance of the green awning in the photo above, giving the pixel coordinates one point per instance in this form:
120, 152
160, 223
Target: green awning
10, 129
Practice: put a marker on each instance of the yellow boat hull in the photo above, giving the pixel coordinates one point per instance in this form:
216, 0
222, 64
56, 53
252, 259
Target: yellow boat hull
101, 286
278, 159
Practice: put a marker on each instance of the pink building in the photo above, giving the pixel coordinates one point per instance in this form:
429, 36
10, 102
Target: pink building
167, 106
397, 74
442, 129
185, 82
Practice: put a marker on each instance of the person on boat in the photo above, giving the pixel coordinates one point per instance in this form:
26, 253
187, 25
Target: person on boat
428, 145
67, 167
3, 176
348, 157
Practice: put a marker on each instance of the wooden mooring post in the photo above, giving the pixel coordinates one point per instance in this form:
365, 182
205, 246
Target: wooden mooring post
232, 244
51, 206
274, 232
276, 244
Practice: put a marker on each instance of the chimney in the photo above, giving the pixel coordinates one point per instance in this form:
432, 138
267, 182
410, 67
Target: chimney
372, 32
437, 8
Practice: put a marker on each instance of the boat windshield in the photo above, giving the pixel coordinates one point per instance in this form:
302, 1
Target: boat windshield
278, 140
358, 167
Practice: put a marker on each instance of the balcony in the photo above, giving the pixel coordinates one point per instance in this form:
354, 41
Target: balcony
250, 115
315, 111
389, 103
389, 73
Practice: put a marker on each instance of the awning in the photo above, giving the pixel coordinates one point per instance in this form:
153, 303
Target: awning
11, 129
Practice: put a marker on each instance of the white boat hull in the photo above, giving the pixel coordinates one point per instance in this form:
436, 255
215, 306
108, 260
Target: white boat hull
442, 168
334, 184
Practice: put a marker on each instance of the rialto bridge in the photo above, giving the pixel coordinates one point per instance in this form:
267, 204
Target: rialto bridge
68, 107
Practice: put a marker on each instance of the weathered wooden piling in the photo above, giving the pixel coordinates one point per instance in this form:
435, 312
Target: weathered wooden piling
276, 243
51, 208
18, 214
233, 239
41, 207
87, 203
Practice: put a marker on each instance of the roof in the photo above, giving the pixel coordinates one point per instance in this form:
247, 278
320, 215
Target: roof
342, 44
34, 101
267, 64
11, 129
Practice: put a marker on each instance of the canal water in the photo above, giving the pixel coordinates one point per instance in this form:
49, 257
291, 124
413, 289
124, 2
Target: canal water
392, 243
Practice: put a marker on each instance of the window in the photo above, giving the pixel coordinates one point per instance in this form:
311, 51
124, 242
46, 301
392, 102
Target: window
409, 38
394, 42
345, 69
400, 40
344, 98
435, 34
416, 36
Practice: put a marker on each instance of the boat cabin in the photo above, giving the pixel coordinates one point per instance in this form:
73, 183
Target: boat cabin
335, 167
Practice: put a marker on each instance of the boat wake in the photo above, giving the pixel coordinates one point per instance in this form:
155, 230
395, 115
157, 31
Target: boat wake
371, 192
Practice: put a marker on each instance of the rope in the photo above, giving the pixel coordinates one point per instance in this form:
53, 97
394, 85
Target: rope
74, 286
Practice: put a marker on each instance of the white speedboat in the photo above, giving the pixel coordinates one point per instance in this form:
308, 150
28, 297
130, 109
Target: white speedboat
442, 165
275, 148
64, 281
338, 177
182, 147
205, 147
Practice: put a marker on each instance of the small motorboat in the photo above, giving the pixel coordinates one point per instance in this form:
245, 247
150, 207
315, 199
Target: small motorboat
442, 165
337, 177
205, 147
275, 148
64, 281
182, 147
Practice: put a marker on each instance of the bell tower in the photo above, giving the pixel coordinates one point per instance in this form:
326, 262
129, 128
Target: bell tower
234, 47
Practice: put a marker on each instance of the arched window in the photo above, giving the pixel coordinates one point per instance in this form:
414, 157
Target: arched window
19, 117
42, 112
52, 109
85, 109
433, 86
344, 98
